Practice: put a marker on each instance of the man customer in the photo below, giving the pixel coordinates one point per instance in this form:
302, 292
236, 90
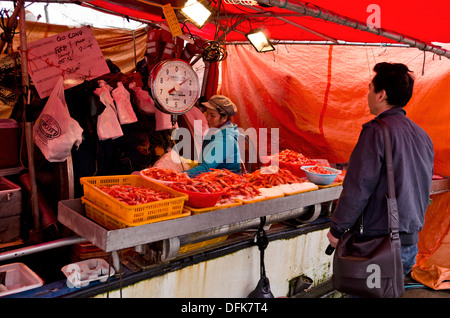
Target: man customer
363, 198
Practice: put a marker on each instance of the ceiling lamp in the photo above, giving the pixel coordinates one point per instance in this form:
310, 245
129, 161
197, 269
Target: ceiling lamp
197, 12
259, 40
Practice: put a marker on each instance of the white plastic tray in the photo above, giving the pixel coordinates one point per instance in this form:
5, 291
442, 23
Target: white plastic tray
80, 274
18, 278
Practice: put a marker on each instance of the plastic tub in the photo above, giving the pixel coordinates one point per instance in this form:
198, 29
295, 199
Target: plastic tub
200, 199
321, 179
166, 183
133, 214
164, 176
113, 222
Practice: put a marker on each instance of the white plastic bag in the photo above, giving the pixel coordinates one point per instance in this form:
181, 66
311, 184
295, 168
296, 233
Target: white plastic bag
108, 125
198, 123
195, 114
55, 132
144, 101
163, 121
125, 110
171, 160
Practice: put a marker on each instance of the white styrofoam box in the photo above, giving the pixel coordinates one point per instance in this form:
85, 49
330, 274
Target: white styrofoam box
19, 278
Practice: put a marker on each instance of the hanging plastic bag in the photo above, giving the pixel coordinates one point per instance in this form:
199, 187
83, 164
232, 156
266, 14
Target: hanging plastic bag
195, 114
144, 101
163, 121
55, 132
125, 110
108, 126
198, 124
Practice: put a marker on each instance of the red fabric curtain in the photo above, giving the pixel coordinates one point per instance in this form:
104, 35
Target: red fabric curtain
212, 80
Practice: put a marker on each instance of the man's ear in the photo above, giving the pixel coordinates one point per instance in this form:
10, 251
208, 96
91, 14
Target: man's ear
381, 95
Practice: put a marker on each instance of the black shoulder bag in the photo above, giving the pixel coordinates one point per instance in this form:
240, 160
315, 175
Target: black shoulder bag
372, 267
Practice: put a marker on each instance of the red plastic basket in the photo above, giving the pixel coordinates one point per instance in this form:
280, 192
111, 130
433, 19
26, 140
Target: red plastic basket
200, 199
296, 169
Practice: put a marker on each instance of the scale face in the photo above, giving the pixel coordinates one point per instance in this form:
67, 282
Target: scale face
175, 86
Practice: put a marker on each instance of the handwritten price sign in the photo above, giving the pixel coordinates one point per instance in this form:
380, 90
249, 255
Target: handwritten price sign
75, 54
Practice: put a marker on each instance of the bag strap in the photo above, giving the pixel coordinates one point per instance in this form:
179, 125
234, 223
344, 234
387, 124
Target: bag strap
388, 157
391, 198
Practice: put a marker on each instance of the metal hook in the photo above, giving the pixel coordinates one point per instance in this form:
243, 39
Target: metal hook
261, 237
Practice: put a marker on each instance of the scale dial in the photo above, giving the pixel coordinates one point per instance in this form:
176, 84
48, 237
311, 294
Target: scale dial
175, 86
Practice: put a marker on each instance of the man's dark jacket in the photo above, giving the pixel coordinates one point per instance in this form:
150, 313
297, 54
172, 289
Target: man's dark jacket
365, 184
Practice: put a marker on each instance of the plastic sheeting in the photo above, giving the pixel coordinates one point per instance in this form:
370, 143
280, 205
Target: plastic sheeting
433, 261
116, 44
317, 97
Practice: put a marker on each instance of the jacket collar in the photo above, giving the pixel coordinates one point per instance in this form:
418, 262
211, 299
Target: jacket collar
392, 111
223, 128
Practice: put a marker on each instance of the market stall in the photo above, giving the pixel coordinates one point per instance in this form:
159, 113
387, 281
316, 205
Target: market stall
302, 93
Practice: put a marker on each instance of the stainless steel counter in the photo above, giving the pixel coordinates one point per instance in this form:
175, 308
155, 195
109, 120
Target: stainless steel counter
71, 214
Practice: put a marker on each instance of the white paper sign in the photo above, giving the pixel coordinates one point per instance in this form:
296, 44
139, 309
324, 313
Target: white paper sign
75, 54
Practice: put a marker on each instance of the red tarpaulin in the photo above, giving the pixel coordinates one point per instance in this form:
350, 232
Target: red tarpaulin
422, 20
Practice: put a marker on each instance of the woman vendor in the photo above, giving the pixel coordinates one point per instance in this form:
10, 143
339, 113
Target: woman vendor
220, 149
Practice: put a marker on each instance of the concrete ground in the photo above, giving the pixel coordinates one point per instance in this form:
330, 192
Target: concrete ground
426, 293
423, 292
413, 289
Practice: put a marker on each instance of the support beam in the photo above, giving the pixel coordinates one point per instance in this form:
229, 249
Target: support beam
232, 28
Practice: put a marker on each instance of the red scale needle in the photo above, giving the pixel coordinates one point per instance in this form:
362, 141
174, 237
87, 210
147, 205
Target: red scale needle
172, 89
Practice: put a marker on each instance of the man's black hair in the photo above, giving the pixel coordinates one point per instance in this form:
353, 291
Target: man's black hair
397, 80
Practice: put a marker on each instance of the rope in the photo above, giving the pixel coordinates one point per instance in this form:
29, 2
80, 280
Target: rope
158, 5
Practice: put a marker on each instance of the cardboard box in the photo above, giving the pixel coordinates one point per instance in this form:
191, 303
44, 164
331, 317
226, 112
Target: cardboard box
10, 210
9, 143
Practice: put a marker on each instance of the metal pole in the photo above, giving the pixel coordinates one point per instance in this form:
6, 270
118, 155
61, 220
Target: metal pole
41, 247
343, 43
329, 16
28, 122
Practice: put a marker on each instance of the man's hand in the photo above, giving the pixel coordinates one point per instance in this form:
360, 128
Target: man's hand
332, 239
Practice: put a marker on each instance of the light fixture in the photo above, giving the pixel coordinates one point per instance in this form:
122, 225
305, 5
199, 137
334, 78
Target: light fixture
197, 12
259, 40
